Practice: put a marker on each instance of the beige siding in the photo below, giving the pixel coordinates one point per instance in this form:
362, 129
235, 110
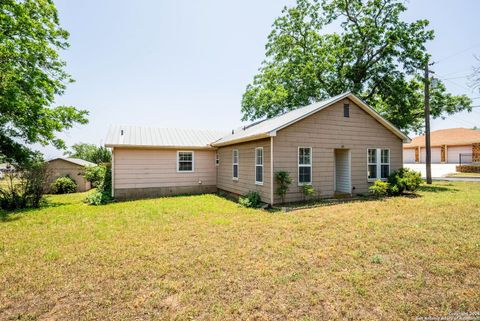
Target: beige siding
58, 168
409, 155
157, 168
246, 165
324, 132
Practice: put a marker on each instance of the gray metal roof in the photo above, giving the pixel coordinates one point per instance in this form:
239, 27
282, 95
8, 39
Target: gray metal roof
137, 136
77, 161
268, 127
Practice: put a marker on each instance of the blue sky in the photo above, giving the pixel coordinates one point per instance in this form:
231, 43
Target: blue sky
186, 64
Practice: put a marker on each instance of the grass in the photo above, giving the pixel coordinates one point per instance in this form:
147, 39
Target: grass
205, 258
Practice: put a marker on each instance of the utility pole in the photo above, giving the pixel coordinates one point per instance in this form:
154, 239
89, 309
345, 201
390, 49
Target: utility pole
427, 123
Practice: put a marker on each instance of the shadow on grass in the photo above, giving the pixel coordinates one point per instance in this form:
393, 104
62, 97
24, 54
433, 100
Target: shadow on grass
436, 189
16, 214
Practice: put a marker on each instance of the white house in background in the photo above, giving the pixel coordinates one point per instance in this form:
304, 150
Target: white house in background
447, 145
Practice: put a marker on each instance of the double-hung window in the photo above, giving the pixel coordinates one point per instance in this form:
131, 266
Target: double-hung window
304, 165
185, 162
259, 165
378, 163
235, 164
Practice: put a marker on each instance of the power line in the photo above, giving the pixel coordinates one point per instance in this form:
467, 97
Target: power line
458, 53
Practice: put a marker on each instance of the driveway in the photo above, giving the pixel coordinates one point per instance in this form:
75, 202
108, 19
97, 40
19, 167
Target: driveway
438, 170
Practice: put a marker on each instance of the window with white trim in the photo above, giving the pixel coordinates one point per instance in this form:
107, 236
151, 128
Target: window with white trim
217, 159
235, 164
259, 165
378, 163
185, 162
304, 165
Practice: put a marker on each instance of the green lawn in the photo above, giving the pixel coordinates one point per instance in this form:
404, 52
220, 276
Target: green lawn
204, 258
464, 175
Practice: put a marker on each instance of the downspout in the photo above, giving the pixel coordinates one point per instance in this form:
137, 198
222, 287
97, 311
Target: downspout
113, 172
272, 179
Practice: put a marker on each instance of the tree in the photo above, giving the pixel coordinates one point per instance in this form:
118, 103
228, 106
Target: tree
31, 76
91, 153
376, 56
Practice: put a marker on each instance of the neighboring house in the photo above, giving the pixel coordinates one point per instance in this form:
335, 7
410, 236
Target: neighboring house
446, 146
339, 145
72, 167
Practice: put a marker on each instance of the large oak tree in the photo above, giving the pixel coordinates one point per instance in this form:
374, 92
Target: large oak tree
31, 76
376, 55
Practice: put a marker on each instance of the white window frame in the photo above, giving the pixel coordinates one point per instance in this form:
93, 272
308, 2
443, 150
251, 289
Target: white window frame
217, 159
257, 165
178, 161
305, 165
237, 163
378, 163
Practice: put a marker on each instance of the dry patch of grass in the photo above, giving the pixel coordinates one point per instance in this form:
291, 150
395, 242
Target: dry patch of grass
204, 258
464, 175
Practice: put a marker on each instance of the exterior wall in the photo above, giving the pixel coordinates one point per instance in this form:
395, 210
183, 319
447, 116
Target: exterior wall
140, 173
58, 168
246, 169
409, 155
342, 171
324, 132
453, 153
436, 155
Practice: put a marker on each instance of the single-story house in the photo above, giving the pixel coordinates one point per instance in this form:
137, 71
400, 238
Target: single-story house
72, 167
447, 146
339, 145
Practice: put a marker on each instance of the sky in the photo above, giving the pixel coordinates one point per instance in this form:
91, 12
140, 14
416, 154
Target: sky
186, 64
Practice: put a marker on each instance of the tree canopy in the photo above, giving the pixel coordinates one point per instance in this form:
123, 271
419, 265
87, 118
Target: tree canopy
376, 55
31, 76
91, 153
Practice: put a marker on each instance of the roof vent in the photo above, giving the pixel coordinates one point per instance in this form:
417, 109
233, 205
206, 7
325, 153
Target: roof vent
121, 132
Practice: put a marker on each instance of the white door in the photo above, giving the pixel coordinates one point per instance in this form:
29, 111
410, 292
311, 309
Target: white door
342, 171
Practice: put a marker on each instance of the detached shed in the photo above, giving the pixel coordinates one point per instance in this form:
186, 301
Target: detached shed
72, 167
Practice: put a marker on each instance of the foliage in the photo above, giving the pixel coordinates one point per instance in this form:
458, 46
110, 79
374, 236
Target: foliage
91, 153
103, 194
24, 186
251, 199
376, 55
468, 168
63, 185
379, 188
308, 190
95, 174
283, 181
31, 76
403, 180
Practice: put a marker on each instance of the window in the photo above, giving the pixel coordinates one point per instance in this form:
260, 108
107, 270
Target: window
259, 165
346, 110
217, 160
185, 161
235, 164
378, 163
304, 165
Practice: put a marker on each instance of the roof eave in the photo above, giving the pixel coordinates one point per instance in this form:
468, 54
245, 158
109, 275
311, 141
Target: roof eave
156, 146
242, 140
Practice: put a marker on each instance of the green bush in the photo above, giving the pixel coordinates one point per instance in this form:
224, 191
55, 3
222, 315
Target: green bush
379, 188
283, 181
251, 199
103, 194
63, 185
95, 174
403, 180
308, 191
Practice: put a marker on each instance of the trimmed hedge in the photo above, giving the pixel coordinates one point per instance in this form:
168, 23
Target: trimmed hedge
468, 169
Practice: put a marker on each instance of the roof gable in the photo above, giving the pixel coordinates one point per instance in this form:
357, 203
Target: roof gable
269, 127
76, 161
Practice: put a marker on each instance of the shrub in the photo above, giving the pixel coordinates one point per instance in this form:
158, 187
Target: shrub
379, 188
403, 180
95, 174
468, 168
308, 191
63, 185
251, 199
103, 194
24, 185
283, 181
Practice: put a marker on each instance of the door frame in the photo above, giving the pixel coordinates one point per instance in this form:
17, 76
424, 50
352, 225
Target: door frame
349, 151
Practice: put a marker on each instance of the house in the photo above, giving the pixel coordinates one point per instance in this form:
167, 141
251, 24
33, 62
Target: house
71, 167
448, 146
339, 145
